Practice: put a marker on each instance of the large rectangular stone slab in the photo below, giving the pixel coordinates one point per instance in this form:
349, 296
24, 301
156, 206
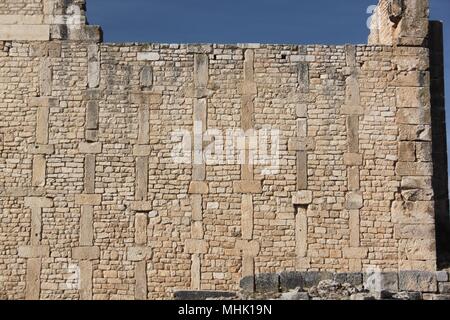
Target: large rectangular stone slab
34, 252
25, 32
417, 281
139, 253
86, 253
88, 199
247, 186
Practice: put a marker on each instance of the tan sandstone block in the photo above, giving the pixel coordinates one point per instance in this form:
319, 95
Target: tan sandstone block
44, 149
407, 151
354, 200
409, 212
355, 253
414, 231
353, 159
414, 169
301, 144
141, 150
198, 187
88, 199
90, 148
86, 253
197, 246
417, 249
142, 206
139, 253
247, 186
34, 252
303, 197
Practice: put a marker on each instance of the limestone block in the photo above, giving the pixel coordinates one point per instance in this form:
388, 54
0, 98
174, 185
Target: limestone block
147, 98
144, 125
146, 77
85, 280
34, 252
247, 186
199, 48
353, 133
407, 265
303, 197
352, 110
39, 171
302, 170
90, 148
197, 207
417, 281
45, 77
21, 19
198, 187
43, 102
38, 202
92, 115
414, 132
197, 231
413, 212
355, 253
413, 97
354, 226
301, 111
86, 253
33, 279
139, 253
412, 79
414, 231
381, 281
93, 66
89, 173
92, 94
354, 200
414, 116
46, 149
141, 150
301, 144
407, 151
247, 216
142, 206
88, 199
248, 248
42, 118
424, 152
141, 280
25, 32
87, 225
141, 192
302, 128
91, 135
303, 76
148, 56
417, 249
195, 246
140, 224
201, 70
195, 272
301, 233
414, 169
353, 178
353, 159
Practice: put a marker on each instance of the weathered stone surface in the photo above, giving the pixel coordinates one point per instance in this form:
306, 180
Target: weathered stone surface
195, 246
198, 187
417, 249
301, 144
86, 253
444, 288
291, 280
203, 295
90, 148
353, 159
303, 197
141, 150
267, 282
356, 253
442, 276
414, 231
379, 282
92, 115
417, 281
25, 32
34, 251
247, 186
354, 200
141, 206
148, 56
139, 253
88, 199
408, 212
44, 149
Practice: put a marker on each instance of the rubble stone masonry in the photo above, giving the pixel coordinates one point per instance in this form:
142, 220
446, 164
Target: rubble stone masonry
93, 205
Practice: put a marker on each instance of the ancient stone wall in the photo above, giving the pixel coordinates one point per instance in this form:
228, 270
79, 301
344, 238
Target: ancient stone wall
94, 205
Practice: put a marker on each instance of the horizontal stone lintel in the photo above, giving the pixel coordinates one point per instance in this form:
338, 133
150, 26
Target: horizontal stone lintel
88, 199
355, 253
247, 186
199, 93
38, 202
248, 248
141, 150
198, 187
353, 159
141, 206
199, 48
19, 19
303, 197
139, 253
32, 32
352, 110
195, 246
46, 149
34, 252
301, 144
43, 102
414, 231
92, 94
414, 169
90, 148
148, 56
145, 98
86, 253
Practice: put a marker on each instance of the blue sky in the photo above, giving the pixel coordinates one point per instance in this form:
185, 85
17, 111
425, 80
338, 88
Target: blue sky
237, 21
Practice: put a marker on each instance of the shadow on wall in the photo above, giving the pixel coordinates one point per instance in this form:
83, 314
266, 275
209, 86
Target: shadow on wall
440, 175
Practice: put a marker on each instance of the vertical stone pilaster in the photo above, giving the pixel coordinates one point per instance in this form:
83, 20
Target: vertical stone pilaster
353, 159
198, 186
35, 252
140, 254
302, 144
414, 204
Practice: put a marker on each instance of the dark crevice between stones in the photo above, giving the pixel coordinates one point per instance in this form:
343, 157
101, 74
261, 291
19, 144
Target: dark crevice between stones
439, 145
